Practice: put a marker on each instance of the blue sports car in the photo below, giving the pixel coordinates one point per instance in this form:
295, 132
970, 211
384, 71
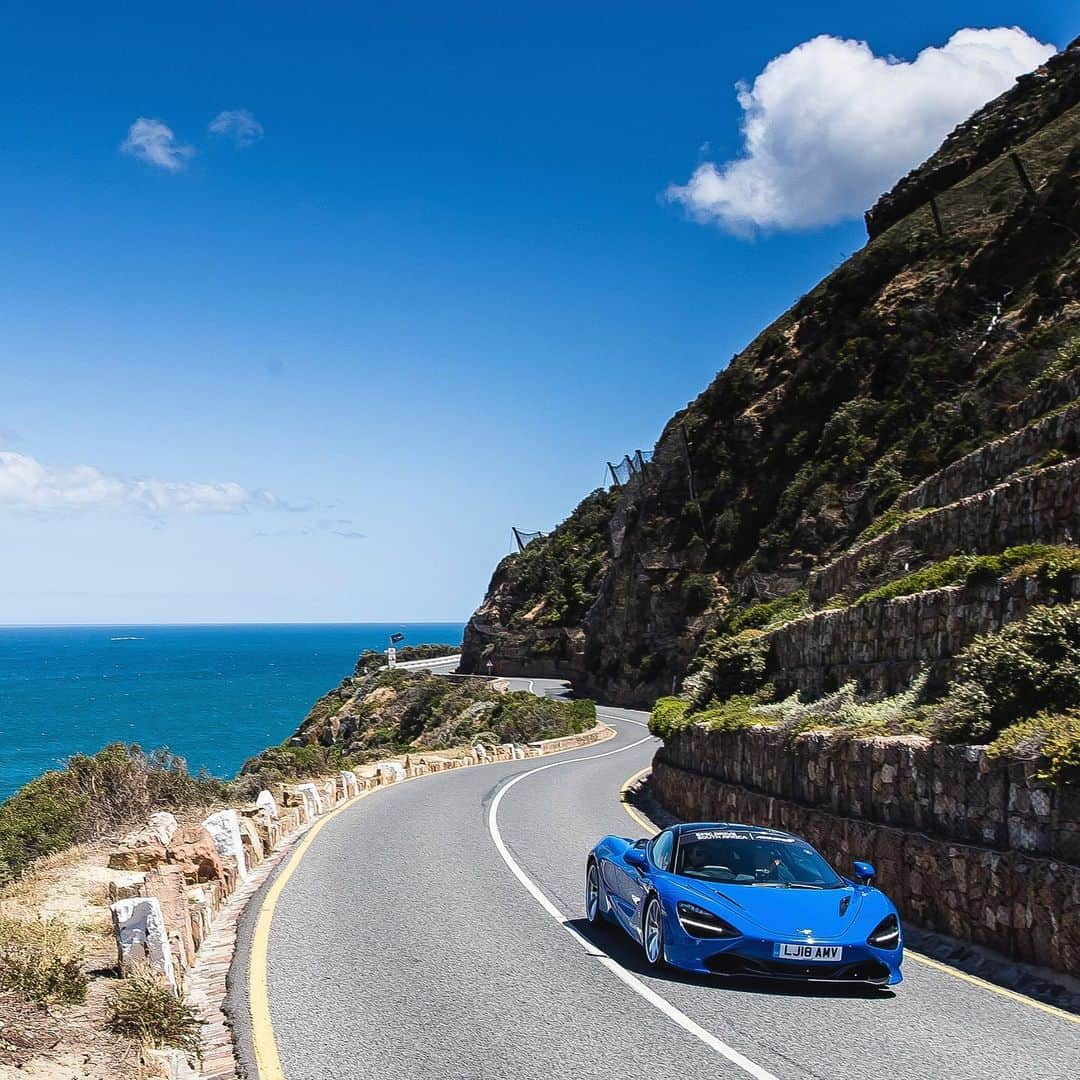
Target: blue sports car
742, 900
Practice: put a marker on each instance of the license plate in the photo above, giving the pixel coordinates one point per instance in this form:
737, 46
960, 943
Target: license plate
813, 953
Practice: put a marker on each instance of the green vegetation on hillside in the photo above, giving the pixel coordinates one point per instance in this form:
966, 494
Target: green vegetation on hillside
399, 711
373, 659
558, 575
93, 795
1053, 564
1018, 689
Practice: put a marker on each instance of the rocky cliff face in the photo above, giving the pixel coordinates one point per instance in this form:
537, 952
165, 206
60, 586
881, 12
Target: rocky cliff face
936, 370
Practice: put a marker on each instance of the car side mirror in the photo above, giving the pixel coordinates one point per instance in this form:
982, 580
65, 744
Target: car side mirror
864, 872
635, 857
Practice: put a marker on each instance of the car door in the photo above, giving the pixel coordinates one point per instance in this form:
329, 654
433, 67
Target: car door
630, 885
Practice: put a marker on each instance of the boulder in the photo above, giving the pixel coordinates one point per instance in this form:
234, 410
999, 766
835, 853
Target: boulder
167, 885
163, 825
193, 849
140, 850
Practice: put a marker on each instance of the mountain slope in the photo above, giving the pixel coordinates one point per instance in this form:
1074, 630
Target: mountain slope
936, 351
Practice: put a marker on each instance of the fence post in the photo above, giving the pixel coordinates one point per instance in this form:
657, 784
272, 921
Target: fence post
614, 478
517, 538
937, 217
689, 464
1015, 159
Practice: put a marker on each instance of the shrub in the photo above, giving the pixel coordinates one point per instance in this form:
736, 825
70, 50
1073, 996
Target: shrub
843, 710
95, 794
737, 712
697, 593
1031, 666
733, 665
772, 613
889, 520
39, 962
668, 715
1055, 565
1053, 736
1066, 360
144, 1008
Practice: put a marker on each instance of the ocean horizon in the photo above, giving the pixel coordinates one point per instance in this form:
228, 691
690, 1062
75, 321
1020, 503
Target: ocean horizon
213, 693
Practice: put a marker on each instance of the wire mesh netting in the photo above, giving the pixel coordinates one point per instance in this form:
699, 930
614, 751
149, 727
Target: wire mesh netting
523, 539
629, 468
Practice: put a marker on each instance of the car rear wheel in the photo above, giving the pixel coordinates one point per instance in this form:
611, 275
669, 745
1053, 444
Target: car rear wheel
652, 933
593, 900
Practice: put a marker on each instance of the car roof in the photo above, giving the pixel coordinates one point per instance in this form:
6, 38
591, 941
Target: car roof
732, 826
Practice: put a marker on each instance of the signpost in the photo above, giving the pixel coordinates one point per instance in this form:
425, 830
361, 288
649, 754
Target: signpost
490, 666
391, 656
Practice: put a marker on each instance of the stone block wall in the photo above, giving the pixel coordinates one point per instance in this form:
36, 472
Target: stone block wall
992, 463
1043, 507
882, 645
977, 849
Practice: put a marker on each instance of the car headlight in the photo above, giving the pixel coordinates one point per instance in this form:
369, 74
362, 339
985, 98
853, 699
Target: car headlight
699, 923
886, 934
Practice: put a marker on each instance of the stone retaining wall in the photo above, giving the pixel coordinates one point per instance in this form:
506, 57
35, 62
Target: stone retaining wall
1024, 907
1043, 507
964, 845
882, 645
995, 461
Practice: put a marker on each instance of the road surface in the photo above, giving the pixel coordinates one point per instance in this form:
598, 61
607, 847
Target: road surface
419, 938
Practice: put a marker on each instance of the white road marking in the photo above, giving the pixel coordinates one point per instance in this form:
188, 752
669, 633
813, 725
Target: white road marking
631, 980
624, 719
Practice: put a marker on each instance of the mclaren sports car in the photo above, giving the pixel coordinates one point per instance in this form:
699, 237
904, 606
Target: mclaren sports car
731, 899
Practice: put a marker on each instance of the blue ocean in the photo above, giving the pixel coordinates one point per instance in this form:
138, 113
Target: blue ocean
215, 695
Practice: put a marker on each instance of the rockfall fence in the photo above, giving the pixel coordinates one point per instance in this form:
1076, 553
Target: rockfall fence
964, 845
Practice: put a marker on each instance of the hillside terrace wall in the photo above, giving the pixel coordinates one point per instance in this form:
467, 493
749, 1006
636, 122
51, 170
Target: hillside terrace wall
970, 847
1043, 507
995, 461
884, 644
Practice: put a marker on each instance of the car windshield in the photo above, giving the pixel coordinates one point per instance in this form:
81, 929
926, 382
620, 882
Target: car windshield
749, 858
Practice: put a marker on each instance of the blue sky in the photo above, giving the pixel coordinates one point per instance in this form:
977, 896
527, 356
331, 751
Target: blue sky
436, 288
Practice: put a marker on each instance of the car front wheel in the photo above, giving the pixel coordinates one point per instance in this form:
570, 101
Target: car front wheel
592, 894
652, 935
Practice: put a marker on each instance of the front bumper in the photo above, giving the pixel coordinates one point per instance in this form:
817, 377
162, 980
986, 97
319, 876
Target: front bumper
861, 963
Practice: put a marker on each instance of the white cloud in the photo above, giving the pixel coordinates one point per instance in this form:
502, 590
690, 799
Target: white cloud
238, 125
829, 126
154, 142
27, 484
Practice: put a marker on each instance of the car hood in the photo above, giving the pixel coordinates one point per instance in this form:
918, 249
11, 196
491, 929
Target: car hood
827, 914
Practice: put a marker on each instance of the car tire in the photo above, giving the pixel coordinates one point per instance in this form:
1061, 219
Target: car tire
652, 933
594, 894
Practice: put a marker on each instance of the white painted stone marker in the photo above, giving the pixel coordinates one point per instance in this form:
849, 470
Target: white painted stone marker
225, 830
141, 935
313, 798
265, 801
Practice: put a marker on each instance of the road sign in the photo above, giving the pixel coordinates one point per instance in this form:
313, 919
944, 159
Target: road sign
391, 656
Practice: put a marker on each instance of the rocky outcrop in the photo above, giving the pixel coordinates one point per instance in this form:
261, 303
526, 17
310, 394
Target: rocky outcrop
901, 383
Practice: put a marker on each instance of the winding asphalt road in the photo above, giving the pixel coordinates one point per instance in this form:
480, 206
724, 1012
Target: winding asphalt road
405, 946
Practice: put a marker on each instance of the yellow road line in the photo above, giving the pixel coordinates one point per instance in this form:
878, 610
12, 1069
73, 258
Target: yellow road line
263, 1042
920, 958
640, 818
1002, 991
262, 1030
